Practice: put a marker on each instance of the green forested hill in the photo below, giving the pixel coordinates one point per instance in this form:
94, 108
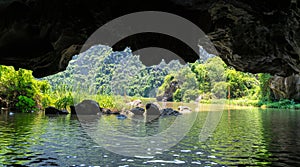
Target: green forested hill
100, 70
103, 71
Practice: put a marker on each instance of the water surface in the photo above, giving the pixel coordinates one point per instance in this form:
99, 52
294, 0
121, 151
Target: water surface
244, 136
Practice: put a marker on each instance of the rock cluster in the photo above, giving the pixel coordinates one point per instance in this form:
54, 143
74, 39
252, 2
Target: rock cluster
90, 107
168, 112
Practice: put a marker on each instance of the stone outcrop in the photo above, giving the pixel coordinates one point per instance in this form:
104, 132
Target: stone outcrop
254, 36
286, 87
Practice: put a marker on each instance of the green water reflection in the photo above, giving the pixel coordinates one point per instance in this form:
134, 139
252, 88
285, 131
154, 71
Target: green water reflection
244, 136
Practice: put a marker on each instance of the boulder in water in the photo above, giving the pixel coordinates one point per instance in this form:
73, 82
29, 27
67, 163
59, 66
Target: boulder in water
169, 112
73, 110
121, 116
152, 112
52, 110
87, 107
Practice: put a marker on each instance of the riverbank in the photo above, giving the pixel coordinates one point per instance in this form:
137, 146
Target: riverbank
281, 104
119, 102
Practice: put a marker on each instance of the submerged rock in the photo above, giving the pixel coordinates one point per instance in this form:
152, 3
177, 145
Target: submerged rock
121, 116
88, 107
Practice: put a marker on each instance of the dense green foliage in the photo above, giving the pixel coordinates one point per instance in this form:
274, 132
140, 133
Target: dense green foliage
20, 90
115, 78
25, 104
212, 80
265, 92
99, 70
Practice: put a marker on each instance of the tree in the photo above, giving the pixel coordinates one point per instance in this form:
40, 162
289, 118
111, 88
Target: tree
220, 89
265, 91
241, 84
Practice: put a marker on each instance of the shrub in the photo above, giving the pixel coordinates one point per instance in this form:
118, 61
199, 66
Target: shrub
106, 101
46, 100
65, 101
25, 104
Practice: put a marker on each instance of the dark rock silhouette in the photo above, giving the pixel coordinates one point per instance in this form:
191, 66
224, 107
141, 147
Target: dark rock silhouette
73, 111
169, 112
52, 110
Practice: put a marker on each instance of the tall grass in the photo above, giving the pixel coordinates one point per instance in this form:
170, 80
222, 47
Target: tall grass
283, 103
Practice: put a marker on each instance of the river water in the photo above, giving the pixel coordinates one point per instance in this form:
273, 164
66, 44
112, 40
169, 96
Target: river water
244, 136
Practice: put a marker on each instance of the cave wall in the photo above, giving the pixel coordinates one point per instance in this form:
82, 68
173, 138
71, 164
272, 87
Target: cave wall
254, 36
286, 87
